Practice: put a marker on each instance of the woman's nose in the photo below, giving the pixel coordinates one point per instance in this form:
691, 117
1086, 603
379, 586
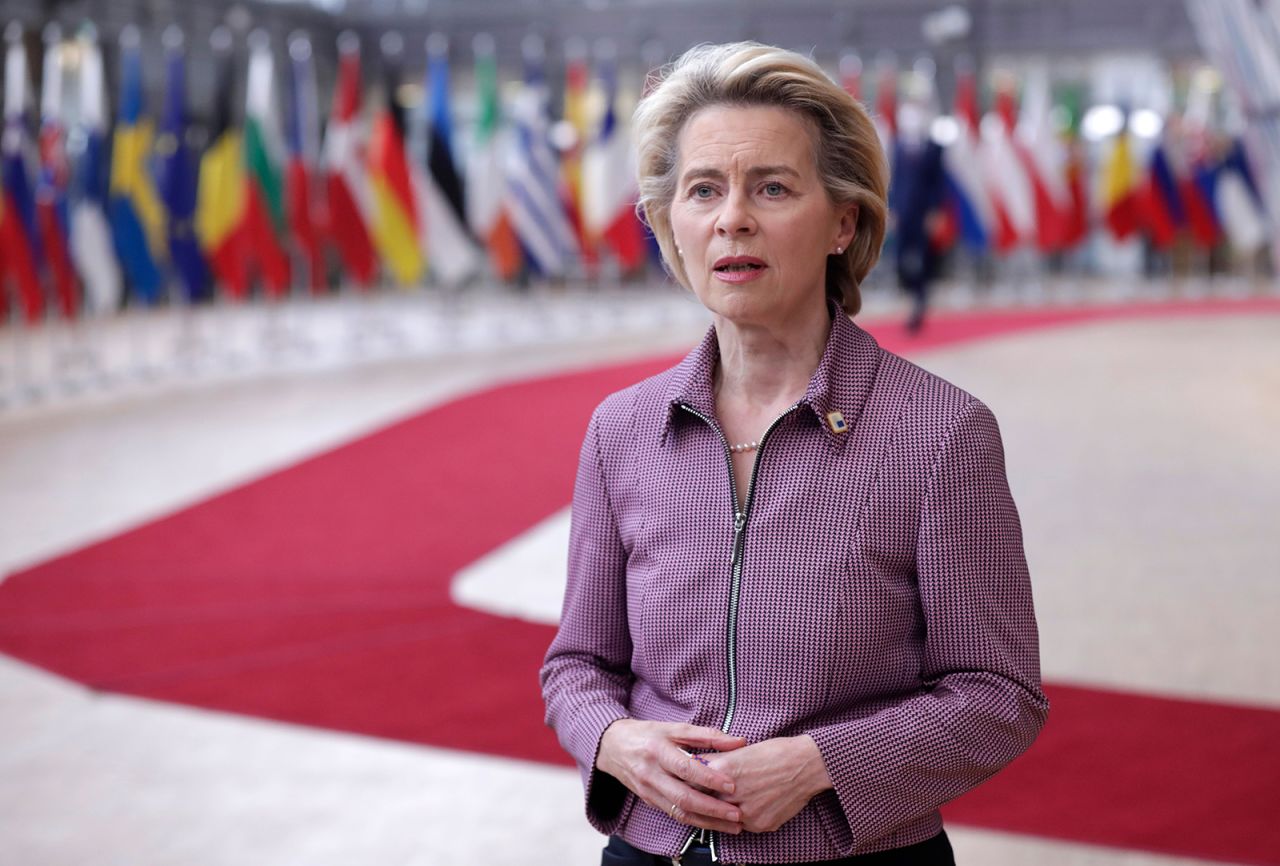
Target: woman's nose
735, 215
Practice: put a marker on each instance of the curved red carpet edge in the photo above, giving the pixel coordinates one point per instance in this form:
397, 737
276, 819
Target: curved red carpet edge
319, 595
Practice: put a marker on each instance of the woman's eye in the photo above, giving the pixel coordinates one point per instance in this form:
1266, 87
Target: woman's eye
774, 189
702, 191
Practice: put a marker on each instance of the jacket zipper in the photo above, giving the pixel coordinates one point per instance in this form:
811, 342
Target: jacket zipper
740, 515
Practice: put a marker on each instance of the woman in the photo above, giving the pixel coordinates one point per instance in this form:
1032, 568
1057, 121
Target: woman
798, 616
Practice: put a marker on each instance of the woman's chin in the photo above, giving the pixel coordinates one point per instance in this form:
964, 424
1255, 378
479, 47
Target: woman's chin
736, 303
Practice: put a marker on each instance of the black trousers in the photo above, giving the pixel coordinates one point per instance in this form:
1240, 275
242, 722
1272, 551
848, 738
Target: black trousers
931, 852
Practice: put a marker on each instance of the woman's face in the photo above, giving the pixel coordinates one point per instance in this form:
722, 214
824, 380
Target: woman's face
750, 216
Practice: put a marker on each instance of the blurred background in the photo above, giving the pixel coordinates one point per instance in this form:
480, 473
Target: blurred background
304, 307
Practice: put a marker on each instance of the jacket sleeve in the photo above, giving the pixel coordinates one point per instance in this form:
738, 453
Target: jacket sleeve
981, 704
586, 676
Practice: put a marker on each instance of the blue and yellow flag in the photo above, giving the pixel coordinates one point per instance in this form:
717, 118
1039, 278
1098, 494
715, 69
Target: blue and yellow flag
137, 217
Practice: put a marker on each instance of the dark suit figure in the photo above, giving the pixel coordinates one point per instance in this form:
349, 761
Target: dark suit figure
916, 196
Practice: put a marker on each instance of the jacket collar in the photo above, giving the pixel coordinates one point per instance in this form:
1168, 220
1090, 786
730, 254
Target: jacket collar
841, 383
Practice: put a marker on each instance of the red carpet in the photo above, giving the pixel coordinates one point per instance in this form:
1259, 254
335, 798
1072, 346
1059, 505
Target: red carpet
319, 595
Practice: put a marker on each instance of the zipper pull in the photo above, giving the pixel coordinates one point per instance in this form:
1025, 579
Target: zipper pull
739, 521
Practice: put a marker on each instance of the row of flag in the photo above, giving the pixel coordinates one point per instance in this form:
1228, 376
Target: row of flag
93, 211
277, 204
1016, 176
1242, 39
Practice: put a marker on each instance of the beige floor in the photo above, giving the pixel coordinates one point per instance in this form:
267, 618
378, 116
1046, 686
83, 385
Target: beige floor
1142, 455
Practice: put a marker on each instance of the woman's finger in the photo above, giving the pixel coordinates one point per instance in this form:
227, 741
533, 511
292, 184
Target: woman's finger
706, 822
695, 770
706, 738
692, 802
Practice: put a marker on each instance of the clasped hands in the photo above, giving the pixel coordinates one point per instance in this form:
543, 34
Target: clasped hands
734, 787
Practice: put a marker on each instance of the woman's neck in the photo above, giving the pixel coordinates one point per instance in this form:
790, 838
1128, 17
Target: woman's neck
764, 366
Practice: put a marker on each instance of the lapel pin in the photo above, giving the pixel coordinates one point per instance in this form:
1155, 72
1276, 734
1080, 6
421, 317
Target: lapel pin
836, 420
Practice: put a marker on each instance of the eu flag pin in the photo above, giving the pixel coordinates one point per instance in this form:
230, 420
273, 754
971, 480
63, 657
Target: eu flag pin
836, 420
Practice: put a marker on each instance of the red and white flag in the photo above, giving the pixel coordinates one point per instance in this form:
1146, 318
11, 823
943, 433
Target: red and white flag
1044, 159
609, 190
349, 199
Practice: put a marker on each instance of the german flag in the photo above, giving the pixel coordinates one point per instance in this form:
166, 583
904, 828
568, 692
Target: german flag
395, 216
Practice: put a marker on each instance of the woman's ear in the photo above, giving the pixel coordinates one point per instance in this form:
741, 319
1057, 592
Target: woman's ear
848, 225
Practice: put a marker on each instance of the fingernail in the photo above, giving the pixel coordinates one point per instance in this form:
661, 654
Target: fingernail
735, 817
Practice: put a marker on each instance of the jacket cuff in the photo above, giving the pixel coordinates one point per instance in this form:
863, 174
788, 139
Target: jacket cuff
604, 795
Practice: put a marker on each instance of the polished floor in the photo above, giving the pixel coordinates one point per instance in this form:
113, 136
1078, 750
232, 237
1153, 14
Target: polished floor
1141, 450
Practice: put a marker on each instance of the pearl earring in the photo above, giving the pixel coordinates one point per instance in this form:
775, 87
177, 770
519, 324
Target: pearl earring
839, 250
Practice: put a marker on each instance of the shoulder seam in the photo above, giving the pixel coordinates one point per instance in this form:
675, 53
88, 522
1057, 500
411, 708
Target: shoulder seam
953, 425
594, 431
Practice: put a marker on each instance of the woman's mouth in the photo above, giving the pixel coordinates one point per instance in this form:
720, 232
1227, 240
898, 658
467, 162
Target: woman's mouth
737, 269
738, 263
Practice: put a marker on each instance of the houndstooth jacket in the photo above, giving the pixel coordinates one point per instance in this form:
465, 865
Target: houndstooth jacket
870, 590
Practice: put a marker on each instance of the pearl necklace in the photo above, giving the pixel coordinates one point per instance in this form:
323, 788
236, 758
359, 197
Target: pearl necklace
744, 447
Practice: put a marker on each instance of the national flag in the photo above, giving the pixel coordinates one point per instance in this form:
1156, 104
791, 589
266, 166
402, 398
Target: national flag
533, 172
1239, 202
91, 245
653, 59
1196, 183
301, 130
609, 184
18, 237
967, 193
438, 190
486, 188
176, 174
349, 200
51, 187
1044, 159
1118, 193
440, 126
1162, 202
137, 218
264, 208
223, 188
1078, 215
1013, 203
576, 106
395, 210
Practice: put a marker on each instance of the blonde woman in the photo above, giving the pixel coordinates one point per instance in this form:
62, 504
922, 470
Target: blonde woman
798, 617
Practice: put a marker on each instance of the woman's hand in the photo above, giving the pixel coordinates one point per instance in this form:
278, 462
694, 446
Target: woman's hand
773, 779
648, 759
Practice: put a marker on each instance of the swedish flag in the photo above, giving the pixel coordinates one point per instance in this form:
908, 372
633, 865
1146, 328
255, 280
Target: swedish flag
137, 218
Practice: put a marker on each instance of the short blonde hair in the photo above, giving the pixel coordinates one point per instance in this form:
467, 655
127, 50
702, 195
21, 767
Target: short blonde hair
847, 150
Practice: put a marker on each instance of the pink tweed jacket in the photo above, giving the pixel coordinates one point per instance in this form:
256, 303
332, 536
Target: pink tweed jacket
870, 590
